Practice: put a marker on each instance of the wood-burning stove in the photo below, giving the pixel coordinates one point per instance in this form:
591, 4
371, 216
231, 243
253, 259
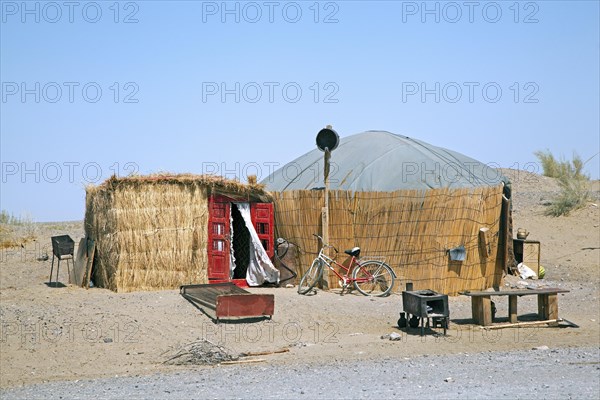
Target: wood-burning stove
423, 305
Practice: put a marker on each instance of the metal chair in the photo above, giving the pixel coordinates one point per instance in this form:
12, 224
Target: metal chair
63, 248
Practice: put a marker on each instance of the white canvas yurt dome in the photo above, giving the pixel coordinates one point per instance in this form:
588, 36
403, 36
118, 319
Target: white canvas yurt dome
383, 161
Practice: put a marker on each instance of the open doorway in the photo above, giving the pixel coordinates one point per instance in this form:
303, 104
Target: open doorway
240, 237
240, 242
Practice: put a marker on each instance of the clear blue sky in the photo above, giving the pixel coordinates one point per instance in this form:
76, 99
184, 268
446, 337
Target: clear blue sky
197, 87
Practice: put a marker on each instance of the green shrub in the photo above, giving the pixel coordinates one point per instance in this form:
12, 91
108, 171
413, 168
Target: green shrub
574, 184
574, 194
561, 169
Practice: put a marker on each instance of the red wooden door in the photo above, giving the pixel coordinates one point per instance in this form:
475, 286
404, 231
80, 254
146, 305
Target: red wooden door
219, 237
263, 220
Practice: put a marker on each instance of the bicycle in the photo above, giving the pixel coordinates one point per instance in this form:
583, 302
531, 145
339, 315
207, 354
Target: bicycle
369, 277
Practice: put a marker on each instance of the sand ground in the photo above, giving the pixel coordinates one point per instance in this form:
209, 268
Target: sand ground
70, 333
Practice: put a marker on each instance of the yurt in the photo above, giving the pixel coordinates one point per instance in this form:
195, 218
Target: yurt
411, 203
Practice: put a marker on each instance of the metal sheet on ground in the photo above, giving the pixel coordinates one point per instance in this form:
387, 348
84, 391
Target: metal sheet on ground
227, 300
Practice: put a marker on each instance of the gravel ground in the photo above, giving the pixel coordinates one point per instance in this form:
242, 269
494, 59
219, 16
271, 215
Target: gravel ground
537, 373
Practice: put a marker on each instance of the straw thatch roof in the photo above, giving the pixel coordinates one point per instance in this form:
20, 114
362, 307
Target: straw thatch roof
215, 184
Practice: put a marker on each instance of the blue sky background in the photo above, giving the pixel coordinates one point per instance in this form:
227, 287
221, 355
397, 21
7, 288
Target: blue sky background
364, 58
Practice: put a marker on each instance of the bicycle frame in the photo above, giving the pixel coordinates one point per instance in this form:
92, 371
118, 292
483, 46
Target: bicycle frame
369, 276
346, 278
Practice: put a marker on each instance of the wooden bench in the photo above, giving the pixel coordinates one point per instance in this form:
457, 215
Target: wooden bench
481, 303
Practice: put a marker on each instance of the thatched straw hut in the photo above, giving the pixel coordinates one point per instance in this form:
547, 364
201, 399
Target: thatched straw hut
404, 200
162, 231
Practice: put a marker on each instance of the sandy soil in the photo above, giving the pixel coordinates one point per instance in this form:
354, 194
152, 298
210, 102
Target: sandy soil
69, 333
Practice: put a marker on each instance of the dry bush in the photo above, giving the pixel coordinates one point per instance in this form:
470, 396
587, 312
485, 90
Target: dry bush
16, 231
561, 169
574, 184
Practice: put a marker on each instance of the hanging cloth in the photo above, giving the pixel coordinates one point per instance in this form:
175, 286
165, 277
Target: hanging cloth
260, 267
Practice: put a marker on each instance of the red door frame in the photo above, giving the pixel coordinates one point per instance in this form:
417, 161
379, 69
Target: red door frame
263, 221
219, 238
219, 235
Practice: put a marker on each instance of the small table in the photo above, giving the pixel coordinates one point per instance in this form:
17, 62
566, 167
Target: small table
481, 303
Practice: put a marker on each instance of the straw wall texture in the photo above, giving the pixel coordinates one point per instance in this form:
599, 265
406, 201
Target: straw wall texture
411, 230
148, 236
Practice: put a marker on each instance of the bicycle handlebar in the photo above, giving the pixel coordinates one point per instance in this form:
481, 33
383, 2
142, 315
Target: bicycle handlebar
325, 244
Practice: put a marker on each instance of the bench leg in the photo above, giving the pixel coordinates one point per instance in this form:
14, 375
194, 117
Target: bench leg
482, 310
552, 306
548, 306
543, 306
512, 309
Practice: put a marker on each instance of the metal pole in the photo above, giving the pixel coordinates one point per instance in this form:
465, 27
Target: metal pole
324, 284
327, 141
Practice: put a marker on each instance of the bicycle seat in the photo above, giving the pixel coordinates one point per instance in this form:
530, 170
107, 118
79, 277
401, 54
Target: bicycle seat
355, 252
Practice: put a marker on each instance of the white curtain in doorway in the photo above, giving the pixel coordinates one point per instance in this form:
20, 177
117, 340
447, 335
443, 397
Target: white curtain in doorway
260, 268
231, 252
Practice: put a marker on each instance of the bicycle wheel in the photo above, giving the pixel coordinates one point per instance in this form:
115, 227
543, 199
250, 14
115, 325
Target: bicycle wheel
311, 277
373, 278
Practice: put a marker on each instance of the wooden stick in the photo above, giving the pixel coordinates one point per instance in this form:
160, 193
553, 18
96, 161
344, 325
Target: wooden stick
549, 321
265, 353
243, 361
